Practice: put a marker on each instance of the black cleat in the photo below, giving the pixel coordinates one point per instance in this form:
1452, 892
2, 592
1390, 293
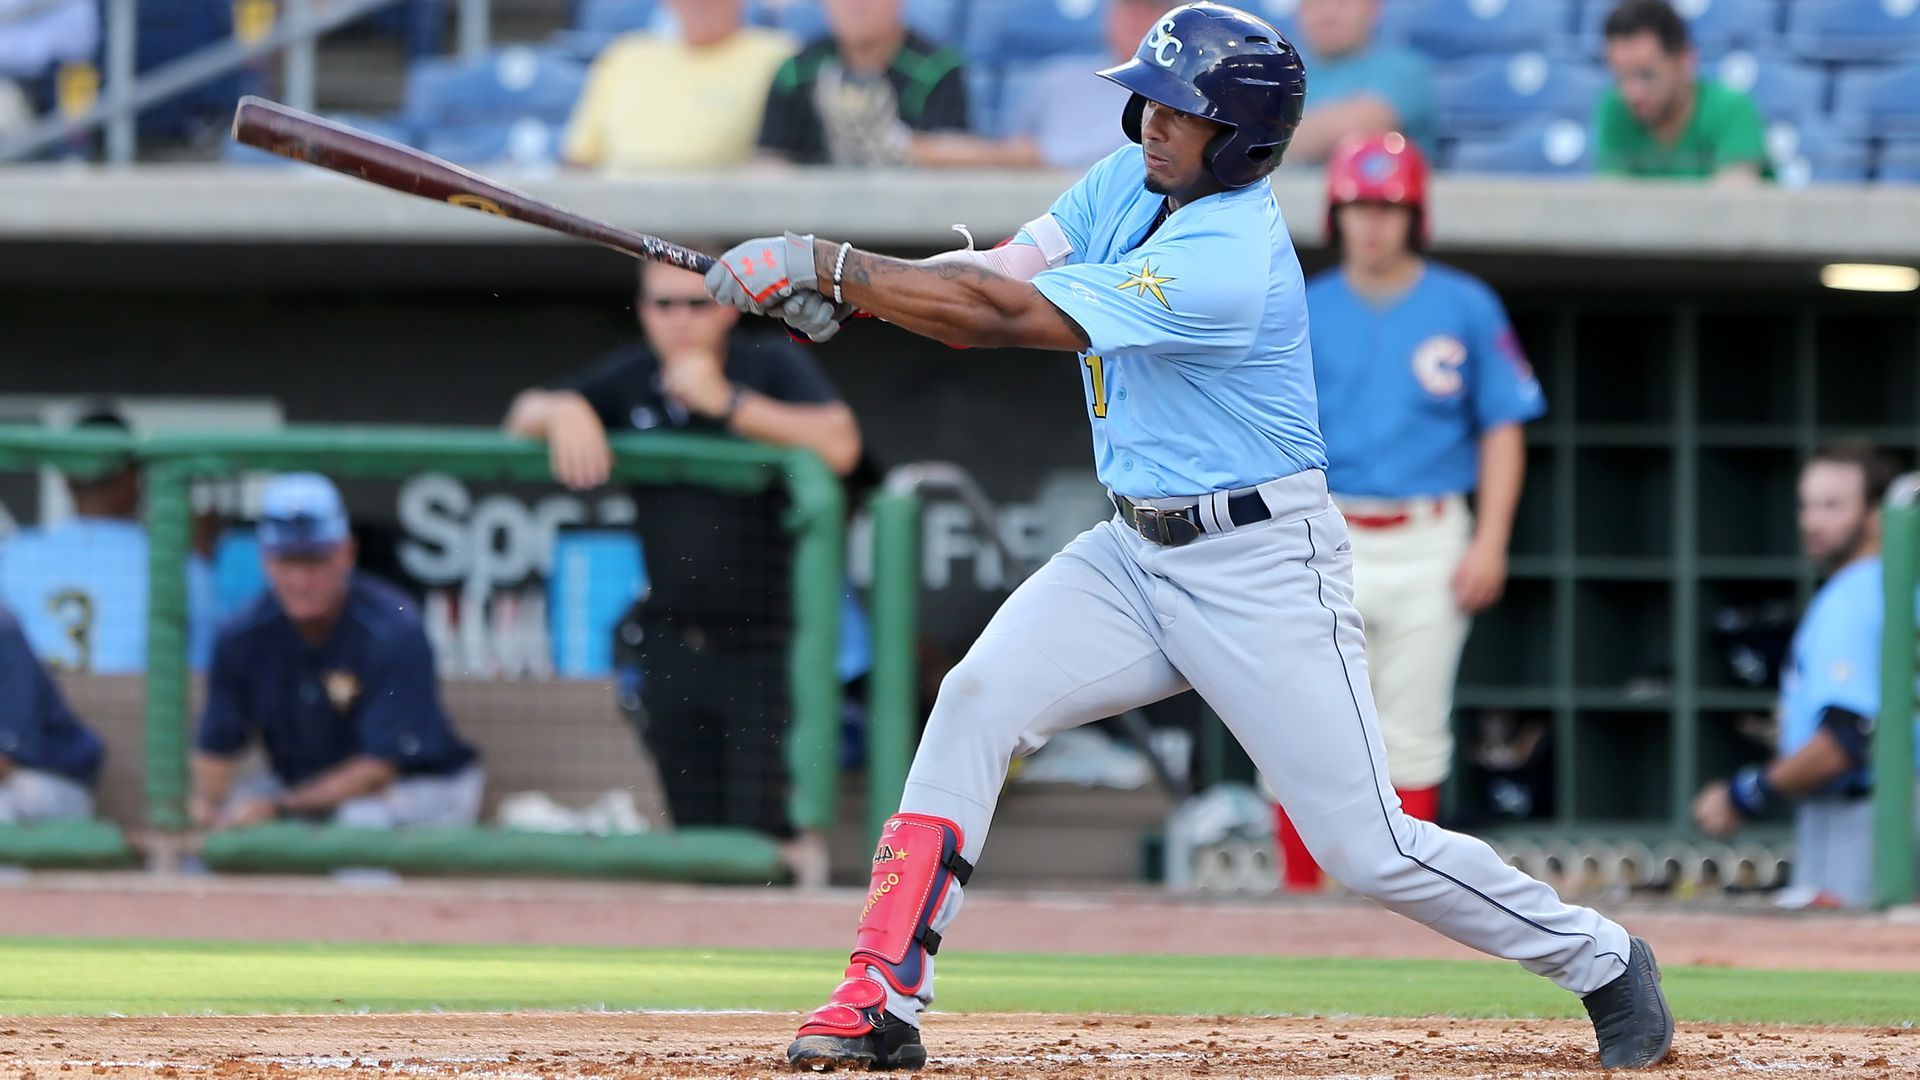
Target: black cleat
1630, 1014
893, 1044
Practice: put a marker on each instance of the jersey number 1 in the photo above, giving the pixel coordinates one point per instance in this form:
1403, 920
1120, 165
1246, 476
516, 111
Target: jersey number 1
1097, 368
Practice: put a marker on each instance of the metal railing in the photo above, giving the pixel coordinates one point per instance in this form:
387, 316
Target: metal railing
126, 93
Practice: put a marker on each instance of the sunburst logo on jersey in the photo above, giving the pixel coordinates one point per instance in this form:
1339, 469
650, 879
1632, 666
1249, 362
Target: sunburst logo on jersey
1146, 281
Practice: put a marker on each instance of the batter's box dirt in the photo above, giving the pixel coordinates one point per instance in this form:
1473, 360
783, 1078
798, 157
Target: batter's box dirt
553, 1046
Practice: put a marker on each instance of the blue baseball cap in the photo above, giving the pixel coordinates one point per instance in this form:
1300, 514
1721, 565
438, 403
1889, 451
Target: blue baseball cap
301, 513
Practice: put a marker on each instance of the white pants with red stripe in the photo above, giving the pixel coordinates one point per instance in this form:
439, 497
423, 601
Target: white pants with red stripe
1403, 568
1260, 620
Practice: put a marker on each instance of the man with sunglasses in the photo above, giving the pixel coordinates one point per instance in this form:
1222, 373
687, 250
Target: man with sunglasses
711, 635
331, 670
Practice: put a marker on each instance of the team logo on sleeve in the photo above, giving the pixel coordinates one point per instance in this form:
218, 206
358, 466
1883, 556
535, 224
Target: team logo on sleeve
1436, 365
1144, 281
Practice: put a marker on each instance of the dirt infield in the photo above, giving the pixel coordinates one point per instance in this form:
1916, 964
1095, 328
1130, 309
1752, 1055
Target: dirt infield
548, 1046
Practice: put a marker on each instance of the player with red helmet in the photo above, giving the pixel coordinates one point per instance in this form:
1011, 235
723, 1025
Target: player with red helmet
1423, 391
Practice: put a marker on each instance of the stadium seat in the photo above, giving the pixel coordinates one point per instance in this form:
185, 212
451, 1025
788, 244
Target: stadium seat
938, 21
513, 82
1813, 151
1899, 163
1548, 148
1781, 88
165, 33
1839, 31
1882, 102
1285, 15
1010, 31
1717, 27
1451, 29
597, 22
1496, 92
527, 143
986, 92
419, 24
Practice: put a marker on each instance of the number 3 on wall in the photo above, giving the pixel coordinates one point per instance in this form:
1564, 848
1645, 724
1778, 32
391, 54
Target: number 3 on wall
1098, 369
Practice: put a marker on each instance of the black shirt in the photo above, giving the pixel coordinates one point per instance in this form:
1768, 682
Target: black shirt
710, 556
927, 81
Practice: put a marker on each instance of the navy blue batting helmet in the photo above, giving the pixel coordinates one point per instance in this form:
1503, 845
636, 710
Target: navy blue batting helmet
1222, 64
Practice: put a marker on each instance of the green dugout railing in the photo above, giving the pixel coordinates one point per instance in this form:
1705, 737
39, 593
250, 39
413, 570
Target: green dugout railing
68, 844
816, 509
1893, 764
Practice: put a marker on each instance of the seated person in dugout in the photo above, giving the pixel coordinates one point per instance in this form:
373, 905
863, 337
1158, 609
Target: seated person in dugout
331, 670
48, 760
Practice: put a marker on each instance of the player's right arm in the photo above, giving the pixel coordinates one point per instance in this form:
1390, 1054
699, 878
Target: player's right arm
576, 439
958, 302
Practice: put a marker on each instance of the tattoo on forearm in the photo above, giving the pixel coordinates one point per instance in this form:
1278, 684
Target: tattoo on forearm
862, 267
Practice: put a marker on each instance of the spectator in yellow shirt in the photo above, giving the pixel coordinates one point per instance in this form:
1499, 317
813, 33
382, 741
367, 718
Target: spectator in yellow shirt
656, 103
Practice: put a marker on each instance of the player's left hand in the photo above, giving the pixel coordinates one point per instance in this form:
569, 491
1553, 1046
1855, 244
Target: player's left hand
814, 315
697, 381
756, 275
1713, 810
1480, 578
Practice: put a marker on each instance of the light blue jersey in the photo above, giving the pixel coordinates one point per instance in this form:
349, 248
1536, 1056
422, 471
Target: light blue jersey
1835, 658
1199, 376
1407, 387
79, 589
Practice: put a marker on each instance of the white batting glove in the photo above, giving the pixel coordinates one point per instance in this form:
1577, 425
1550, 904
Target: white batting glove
756, 275
812, 314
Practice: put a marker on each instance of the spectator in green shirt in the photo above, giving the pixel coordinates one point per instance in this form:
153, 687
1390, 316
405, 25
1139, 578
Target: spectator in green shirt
1662, 120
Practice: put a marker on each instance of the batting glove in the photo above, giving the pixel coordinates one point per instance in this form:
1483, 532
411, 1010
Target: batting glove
756, 275
814, 315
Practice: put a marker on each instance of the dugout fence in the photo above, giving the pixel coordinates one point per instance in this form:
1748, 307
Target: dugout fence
1894, 780
178, 466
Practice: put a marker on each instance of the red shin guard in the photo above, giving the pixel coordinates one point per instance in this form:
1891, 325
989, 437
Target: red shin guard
916, 865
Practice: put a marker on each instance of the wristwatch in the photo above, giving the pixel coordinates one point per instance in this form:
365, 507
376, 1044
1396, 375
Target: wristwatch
733, 404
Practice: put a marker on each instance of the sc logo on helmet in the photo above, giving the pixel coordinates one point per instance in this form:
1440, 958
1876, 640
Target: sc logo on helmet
1164, 45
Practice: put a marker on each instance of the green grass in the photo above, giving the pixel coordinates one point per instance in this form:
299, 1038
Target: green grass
143, 977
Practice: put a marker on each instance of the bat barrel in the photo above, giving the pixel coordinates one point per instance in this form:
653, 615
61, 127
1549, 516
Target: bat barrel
290, 133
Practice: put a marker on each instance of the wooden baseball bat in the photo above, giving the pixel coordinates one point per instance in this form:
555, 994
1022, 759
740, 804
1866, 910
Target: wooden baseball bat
290, 133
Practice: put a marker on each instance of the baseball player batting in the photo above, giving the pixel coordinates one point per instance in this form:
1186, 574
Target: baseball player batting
1422, 390
1169, 271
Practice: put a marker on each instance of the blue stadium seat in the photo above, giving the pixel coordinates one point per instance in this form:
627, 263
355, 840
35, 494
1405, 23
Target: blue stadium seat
1899, 163
597, 22
1009, 31
511, 83
1491, 93
1716, 26
986, 91
1883, 102
1285, 15
1852, 30
1451, 29
1781, 88
806, 20
1543, 148
165, 33
527, 142
1811, 151
938, 21
419, 24
614, 17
